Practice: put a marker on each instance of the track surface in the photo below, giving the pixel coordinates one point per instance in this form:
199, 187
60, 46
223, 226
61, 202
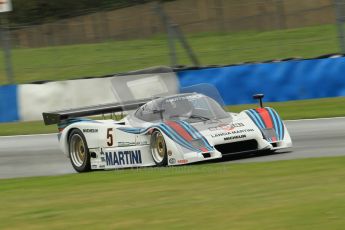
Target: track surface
38, 155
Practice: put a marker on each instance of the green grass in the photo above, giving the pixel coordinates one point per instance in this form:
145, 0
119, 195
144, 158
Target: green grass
73, 61
299, 194
28, 127
304, 109
327, 107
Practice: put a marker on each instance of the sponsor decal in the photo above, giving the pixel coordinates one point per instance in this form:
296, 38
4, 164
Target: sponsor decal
124, 143
169, 153
235, 137
182, 161
172, 161
189, 97
232, 133
142, 143
90, 130
226, 127
123, 157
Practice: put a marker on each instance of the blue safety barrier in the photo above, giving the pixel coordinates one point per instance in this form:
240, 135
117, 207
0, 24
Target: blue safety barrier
8, 103
279, 81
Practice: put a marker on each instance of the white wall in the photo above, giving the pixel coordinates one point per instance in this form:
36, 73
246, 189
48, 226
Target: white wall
33, 99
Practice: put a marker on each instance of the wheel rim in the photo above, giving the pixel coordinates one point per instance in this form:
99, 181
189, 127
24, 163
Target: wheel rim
77, 150
158, 148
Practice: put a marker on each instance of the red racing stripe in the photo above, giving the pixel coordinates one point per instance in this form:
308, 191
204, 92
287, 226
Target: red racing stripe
265, 117
180, 130
204, 150
183, 133
264, 114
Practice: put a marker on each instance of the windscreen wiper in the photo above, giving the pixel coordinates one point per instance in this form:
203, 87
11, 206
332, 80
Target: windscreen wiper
200, 117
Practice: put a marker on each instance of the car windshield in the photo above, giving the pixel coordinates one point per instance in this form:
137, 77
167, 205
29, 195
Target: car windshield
191, 107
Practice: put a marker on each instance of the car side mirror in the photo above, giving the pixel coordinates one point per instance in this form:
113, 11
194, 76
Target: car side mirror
259, 97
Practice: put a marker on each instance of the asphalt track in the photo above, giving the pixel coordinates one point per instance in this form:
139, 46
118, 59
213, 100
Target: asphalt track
38, 155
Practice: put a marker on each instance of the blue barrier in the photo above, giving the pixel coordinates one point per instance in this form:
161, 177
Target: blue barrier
280, 81
8, 103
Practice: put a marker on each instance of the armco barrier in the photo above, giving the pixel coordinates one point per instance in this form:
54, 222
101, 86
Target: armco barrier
8, 103
280, 81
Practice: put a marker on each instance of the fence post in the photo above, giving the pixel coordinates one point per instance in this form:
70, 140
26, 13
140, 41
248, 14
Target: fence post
280, 10
339, 12
174, 32
170, 32
185, 45
6, 46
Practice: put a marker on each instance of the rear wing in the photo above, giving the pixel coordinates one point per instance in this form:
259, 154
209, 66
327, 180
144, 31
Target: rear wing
56, 117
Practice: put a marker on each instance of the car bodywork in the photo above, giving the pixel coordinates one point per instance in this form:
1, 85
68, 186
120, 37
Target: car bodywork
194, 126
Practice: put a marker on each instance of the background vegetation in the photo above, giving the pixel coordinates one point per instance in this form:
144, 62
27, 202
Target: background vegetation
42, 11
85, 60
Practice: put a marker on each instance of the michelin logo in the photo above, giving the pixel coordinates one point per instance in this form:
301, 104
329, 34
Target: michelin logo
90, 130
234, 137
123, 158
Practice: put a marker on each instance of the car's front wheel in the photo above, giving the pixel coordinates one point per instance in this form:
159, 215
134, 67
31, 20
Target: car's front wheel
159, 149
78, 151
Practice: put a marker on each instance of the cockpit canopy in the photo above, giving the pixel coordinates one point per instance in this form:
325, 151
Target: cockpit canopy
192, 107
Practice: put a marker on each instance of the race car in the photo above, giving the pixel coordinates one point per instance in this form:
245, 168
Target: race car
170, 130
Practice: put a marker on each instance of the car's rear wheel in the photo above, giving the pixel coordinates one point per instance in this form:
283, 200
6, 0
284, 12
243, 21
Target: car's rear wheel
159, 149
78, 151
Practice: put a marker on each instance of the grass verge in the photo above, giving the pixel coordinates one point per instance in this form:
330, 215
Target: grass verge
73, 61
316, 108
299, 194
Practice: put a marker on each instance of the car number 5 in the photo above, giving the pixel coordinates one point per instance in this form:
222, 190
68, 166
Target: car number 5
110, 138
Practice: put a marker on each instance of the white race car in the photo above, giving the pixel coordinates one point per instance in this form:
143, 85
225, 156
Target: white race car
170, 130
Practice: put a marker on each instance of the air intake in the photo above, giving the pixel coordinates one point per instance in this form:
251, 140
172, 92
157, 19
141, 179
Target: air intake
237, 147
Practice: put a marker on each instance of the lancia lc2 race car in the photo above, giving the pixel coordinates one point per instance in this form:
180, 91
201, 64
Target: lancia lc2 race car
170, 130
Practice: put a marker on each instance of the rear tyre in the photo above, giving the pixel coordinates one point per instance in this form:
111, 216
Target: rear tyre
159, 149
79, 151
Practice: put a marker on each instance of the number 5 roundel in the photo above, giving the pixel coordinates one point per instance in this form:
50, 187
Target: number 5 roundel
110, 137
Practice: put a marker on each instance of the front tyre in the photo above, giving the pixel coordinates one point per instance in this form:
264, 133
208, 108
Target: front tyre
78, 151
158, 149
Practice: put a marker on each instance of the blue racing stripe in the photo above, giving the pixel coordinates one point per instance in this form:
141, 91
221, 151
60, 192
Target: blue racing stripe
281, 125
168, 130
255, 119
258, 120
258, 116
172, 134
275, 123
197, 135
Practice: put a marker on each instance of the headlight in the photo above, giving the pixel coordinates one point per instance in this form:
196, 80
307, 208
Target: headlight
269, 133
198, 143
